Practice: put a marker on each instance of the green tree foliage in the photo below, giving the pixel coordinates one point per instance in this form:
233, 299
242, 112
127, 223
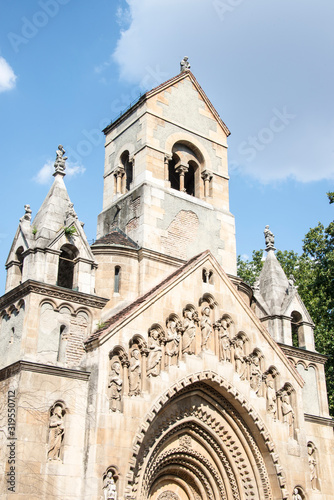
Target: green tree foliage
313, 271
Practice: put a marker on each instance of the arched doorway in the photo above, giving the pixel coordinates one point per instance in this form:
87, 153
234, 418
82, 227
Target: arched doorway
199, 447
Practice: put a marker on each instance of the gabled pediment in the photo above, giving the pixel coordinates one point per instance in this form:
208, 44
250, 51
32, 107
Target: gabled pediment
186, 289
21, 239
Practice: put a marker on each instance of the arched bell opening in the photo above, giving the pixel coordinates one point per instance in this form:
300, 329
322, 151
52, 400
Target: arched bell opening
199, 446
66, 266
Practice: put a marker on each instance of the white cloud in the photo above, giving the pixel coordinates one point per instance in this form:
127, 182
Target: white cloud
250, 58
44, 175
7, 76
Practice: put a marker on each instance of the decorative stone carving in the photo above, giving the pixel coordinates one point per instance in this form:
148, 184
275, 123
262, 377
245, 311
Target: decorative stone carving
224, 339
60, 160
255, 371
154, 353
206, 327
287, 410
168, 495
109, 486
184, 65
239, 357
269, 239
296, 495
271, 398
27, 214
56, 431
185, 442
70, 213
190, 320
134, 373
172, 341
115, 386
312, 462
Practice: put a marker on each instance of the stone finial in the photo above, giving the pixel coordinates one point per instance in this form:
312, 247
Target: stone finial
269, 239
60, 161
184, 65
27, 215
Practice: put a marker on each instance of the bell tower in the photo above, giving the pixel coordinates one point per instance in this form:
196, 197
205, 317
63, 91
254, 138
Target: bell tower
166, 183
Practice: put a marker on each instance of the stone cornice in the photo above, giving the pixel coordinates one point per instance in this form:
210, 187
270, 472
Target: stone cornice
296, 352
319, 420
31, 286
30, 366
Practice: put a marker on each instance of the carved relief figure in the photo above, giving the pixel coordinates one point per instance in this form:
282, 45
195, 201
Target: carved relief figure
255, 373
172, 342
271, 398
56, 434
239, 358
189, 331
109, 487
296, 495
224, 340
134, 373
115, 385
206, 327
312, 462
154, 354
287, 411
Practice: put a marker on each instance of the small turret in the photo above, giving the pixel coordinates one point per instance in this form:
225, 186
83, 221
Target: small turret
53, 248
278, 303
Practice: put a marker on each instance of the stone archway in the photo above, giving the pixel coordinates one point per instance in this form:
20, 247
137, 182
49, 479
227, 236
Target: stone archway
199, 447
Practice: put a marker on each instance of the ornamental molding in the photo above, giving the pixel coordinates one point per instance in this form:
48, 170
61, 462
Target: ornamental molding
31, 286
297, 353
29, 366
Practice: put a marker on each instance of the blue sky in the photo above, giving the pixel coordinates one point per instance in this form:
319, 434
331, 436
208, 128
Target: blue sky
67, 68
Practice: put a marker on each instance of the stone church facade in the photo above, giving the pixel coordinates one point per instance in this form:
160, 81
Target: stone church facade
141, 367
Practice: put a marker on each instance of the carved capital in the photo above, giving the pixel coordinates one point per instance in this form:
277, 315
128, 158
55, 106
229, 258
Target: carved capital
119, 171
182, 169
206, 175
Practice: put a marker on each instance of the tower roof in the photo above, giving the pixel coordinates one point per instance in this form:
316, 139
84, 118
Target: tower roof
163, 86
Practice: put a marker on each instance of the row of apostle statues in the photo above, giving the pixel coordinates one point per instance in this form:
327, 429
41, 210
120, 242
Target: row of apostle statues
132, 368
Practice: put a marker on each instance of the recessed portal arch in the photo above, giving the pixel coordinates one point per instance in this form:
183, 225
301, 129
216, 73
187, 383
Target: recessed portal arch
199, 437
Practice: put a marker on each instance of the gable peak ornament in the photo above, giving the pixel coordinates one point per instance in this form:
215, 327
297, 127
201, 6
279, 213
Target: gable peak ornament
60, 162
184, 65
269, 239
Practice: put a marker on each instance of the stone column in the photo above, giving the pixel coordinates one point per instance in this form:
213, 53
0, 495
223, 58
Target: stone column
181, 170
119, 173
206, 176
167, 159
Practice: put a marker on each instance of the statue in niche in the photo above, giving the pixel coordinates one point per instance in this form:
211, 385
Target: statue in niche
296, 495
269, 239
56, 435
189, 331
172, 341
312, 462
115, 385
240, 358
60, 159
255, 373
206, 327
287, 411
271, 398
154, 354
134, 373
224, 340
109, 487
184, 64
